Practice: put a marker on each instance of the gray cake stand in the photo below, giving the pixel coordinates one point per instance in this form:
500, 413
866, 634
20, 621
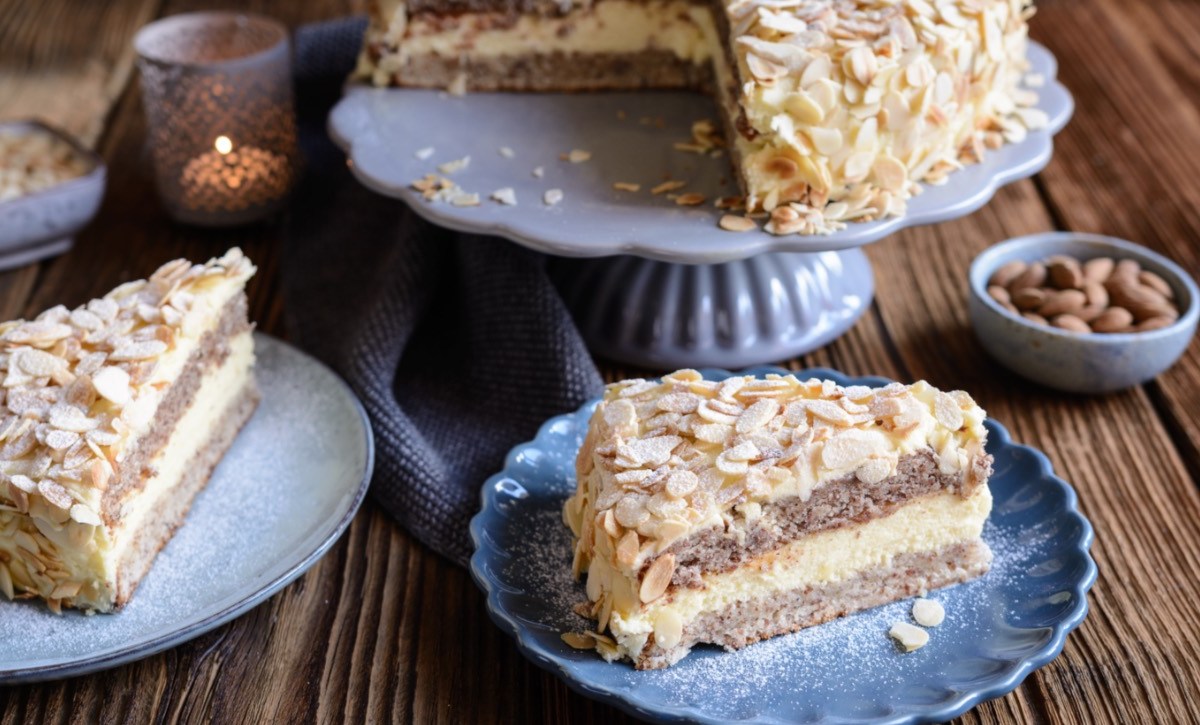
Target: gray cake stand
650, 283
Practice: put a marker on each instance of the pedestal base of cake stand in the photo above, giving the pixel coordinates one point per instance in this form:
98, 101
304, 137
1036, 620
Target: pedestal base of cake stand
759, 310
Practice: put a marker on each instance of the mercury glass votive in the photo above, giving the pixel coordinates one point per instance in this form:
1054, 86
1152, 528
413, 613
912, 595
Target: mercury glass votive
217, 90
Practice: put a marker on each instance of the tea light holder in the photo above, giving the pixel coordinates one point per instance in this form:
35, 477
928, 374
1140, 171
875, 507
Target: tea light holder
217, 89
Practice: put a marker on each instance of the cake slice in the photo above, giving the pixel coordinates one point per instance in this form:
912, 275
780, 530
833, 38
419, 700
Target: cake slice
729, 512
112, 417
833, 110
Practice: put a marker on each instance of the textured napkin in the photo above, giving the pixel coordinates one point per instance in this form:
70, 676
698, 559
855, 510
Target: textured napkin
459, 346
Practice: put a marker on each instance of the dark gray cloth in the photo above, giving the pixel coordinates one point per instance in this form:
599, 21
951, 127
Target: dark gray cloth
459, 346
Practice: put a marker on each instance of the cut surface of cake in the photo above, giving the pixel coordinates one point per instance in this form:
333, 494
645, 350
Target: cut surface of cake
112, 417
833, 109
733, 511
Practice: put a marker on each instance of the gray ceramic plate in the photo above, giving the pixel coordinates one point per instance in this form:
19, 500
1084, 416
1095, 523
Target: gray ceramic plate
283, 494
383, 128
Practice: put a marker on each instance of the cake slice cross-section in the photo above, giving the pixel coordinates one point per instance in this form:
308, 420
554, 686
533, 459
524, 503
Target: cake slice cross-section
733, 511
112, 417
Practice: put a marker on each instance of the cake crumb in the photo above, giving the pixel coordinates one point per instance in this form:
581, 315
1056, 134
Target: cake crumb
458, 86
505, 196
576, 156
910, 637
928, 612
507, 153
457, 165
552, 196
539, 172
424, 153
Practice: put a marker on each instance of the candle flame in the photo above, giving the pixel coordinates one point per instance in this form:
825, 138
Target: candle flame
223, 145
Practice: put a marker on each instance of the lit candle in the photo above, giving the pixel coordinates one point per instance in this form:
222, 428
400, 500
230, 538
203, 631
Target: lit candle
233, 179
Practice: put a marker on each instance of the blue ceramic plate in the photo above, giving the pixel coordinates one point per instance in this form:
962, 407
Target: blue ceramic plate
997, 630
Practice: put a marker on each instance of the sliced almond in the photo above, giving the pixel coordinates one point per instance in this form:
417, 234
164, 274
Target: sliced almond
657, 578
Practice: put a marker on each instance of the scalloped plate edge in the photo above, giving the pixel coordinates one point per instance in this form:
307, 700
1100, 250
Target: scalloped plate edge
1002, 684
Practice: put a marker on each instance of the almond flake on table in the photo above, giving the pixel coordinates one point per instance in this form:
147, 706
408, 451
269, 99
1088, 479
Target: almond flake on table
552, 196
505, 196
457, 165
668, 186
424, 153
506, 152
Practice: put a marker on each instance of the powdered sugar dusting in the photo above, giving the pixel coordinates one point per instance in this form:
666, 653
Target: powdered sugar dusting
273, 500
849, 664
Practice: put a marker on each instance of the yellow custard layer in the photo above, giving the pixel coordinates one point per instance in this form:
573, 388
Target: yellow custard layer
927, 525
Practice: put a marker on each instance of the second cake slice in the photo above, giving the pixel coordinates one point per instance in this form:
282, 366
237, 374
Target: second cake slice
729, 512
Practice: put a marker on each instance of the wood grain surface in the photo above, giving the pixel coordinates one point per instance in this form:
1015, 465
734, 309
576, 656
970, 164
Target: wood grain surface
382, 629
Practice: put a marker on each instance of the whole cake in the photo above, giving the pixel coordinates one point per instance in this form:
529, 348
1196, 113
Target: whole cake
114, 415
834, 108
729, 512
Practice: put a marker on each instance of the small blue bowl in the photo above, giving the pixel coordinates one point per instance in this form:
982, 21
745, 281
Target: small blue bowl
1079, 363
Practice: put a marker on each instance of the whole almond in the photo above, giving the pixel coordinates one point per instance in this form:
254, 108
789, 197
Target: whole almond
1070, 323
1065, 274
1035, 318
1126, 268
1097, 296
1090, 313
1156, 283
1029, 298
1114, 319
1098, 269
999, 294
1010, 307
1066, 302
1007, 273
1126, 291
1144, 312
1033, 276
1154, 323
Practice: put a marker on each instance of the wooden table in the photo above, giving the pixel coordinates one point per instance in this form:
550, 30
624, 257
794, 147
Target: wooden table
384, 629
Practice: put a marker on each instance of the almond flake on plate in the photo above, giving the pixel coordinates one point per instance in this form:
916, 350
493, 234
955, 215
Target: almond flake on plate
424, 153
539, 172
626, 186
576, 156
506, 152
552, 196
457, 165
668, 186
505, 196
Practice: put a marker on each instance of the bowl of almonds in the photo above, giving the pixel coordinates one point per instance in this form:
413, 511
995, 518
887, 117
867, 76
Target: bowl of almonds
1082, 312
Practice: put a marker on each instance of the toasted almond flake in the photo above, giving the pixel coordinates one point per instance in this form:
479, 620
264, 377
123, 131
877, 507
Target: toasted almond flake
626, 186
690, 199
668, 628
946, 411
24, 483
112, 384
552, 197
909, 636
505, 196
84, 515
668, 186
628, 548
681, 483
451, 167
847, 451
578, 641
576, 156
6, 583
55, 494
424, 154
657, 578
734, 223
928, 612
138, 350
874, 470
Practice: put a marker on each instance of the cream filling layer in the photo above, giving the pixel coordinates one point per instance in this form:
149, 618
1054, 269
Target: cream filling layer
609, 26
92, 555
927, 525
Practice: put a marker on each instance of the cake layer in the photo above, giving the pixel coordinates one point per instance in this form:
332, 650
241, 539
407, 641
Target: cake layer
837, 503
923, 526
209, 351
609, 44
747, 621
224, 399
